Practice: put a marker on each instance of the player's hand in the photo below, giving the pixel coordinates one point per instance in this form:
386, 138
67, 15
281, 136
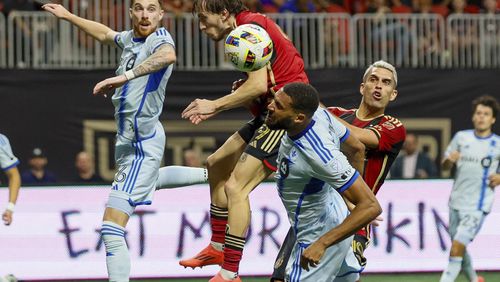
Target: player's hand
376, 221
312, 255
7, 217
494, 180
108, 86
197, 119
57, 10
454, 156
199, 110
237, 84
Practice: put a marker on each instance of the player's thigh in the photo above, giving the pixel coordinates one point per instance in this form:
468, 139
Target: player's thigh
469, 225
454, 220
137, 164
247, 174
328, 268
226, 156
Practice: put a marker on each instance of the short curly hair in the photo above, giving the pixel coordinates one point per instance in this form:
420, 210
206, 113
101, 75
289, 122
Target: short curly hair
488, 101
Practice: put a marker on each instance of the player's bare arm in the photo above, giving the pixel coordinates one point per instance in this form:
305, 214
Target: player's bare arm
354, 150
97, 30
160, 59
14, 184
253, 87
367, 136
366, 209
450, 160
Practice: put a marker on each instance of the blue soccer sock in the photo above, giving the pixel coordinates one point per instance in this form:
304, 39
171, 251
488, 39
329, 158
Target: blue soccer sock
179, 176
117, 255
452, 271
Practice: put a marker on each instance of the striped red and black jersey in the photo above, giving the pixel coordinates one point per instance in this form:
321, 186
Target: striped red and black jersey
391, 134
286, 63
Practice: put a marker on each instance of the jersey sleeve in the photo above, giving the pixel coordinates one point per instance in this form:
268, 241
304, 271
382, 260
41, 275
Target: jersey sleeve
453, 146
390, 132
7, 158
330, 165
338, 128
121, 37
159, 38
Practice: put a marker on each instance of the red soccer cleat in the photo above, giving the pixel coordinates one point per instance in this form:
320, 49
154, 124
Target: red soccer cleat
207, 256
480, 279
219, 278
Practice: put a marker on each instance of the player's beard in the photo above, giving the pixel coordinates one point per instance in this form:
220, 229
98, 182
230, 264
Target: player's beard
284, 123
143, 33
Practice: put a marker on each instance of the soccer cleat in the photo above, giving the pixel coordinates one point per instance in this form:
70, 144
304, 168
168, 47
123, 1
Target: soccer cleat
219, 278
480, 279
207, 256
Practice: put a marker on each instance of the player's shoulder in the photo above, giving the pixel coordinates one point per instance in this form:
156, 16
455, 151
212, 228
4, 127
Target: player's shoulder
391, 123
339, 111
3, 138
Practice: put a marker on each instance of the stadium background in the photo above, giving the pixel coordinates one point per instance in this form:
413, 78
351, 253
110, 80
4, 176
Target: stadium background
46, 79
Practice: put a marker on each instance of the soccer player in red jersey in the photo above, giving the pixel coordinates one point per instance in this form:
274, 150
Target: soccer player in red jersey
249, 156
383, 137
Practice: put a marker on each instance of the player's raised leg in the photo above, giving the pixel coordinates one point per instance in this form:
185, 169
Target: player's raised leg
220, 165
179, 176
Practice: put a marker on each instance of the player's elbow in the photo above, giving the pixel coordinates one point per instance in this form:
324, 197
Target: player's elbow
374, 208
171, 58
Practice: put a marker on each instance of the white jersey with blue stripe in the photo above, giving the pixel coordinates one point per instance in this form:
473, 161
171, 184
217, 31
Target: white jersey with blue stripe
7, 158
310, 169
139, 102
479, 158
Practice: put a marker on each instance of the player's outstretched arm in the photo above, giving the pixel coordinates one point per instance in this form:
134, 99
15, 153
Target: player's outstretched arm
202, 109
354, 150
366, 136
160, 59
97, 30
14, 185
366, 209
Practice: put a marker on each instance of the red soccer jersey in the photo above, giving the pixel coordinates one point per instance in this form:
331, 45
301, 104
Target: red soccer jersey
286, 63
391, 134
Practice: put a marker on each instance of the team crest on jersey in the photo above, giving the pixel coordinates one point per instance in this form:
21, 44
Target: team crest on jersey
486, 162
284, 168
130, 62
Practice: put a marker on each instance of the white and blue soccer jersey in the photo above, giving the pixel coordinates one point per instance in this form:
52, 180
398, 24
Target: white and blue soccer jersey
479, 158
7, 158
310, 168
139, 102
337, 130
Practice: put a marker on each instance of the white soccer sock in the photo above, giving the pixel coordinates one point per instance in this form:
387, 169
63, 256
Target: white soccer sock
228, 275
468, 269
117, 255
179, 176
452, 271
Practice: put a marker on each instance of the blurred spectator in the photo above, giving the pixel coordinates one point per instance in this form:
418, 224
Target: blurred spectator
84, 165
254, 5
297, 6
178, 7
413, 163
37, 173
490, 7
192, 158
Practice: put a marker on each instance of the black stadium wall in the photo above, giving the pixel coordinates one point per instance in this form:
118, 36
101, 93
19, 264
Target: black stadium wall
55, 110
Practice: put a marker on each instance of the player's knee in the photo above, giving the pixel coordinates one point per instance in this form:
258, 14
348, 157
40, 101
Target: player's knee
233, 191
212, 161
457, 249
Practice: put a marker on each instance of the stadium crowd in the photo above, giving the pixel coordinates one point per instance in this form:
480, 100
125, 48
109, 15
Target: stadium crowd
442, 7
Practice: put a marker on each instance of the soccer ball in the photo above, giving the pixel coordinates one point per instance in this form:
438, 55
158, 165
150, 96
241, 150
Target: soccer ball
248, 47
